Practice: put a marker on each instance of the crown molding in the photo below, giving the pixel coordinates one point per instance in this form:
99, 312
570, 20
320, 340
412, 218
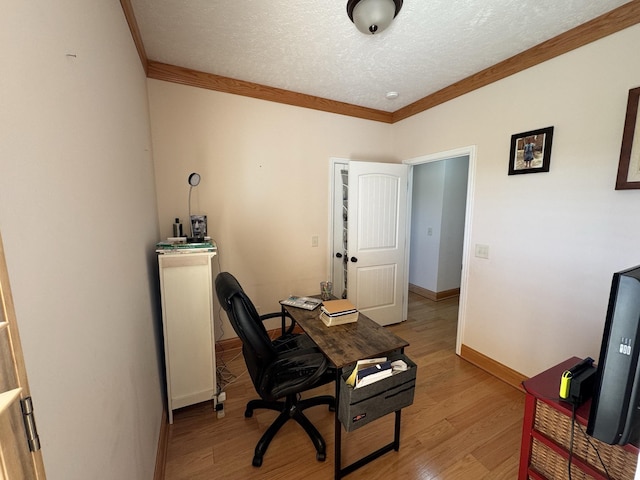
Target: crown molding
622, 17
135, 32
194, 78
614, 21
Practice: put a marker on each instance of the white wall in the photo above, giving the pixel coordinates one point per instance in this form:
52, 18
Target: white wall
438, 207
265, 181
78, 219
453, 219
427, 199
555, 238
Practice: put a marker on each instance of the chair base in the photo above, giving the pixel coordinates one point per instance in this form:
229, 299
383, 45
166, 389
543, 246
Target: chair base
290, 408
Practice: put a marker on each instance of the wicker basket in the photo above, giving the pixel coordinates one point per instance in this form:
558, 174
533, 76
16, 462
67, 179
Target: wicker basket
621, 464
552, 466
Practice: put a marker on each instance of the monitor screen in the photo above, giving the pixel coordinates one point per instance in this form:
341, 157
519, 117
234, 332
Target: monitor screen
614, 414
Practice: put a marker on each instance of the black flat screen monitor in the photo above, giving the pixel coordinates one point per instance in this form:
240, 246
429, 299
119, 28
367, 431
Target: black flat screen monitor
614, 417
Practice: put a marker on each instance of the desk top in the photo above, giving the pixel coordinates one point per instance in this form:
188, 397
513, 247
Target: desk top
348, 343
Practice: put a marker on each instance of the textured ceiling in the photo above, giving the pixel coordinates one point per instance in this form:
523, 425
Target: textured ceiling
311, 46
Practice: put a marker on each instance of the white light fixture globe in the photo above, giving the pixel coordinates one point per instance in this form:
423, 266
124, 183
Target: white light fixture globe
373, 16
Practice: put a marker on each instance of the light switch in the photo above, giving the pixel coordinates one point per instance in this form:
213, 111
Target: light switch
314, 241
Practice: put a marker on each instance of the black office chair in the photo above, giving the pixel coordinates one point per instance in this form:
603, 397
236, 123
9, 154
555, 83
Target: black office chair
280, 369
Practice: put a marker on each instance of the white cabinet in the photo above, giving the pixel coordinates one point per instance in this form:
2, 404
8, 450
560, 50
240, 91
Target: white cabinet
186, 287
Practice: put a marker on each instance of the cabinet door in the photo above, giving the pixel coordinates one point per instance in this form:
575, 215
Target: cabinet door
187, 312
17, 462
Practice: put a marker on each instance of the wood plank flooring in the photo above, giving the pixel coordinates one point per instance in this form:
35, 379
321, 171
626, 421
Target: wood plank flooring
463, 424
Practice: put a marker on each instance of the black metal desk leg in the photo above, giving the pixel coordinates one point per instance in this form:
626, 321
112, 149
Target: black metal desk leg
396, 436
284, 316
338, 430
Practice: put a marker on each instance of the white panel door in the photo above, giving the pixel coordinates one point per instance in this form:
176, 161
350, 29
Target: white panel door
377, 235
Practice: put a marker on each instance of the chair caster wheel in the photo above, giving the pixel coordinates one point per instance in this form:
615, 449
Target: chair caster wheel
257, 461
321, 457
248, 413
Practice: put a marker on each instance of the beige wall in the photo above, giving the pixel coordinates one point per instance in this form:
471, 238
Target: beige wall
265, 181
555, 238
78, 219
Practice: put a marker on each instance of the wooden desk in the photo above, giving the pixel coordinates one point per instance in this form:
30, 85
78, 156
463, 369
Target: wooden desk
344, 345
546, 435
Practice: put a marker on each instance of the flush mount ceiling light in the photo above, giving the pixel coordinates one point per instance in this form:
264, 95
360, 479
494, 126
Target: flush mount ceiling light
373, 16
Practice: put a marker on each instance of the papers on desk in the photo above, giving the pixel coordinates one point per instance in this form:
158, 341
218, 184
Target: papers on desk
338, 312
308, 303
371, 370
180, 245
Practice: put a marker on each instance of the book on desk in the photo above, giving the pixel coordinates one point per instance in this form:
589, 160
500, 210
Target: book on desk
338, 312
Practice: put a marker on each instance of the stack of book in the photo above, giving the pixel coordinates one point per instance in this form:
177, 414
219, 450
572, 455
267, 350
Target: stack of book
371, 370
338, 312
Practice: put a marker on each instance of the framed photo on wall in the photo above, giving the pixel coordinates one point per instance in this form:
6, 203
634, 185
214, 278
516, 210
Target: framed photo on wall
531, 151
629, 166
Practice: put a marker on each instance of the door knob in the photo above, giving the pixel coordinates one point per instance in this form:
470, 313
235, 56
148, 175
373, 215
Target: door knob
354, 259
338, 255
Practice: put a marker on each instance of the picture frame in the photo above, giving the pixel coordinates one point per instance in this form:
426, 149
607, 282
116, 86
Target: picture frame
629, 164
531, 151
199, 226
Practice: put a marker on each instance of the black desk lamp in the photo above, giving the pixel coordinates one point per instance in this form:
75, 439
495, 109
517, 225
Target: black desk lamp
194, 180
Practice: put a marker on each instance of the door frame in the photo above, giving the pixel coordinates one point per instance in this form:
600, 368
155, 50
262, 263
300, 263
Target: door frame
469, 151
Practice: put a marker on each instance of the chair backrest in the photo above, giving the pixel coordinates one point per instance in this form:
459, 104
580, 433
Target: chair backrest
257, 348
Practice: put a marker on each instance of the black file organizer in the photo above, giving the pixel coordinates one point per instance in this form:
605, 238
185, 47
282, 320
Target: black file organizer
360, 406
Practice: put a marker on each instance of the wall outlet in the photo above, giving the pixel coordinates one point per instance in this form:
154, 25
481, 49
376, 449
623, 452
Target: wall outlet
482, 251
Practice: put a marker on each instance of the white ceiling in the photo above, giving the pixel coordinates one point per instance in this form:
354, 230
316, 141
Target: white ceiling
311, 46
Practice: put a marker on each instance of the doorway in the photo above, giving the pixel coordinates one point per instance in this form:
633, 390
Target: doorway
442, 193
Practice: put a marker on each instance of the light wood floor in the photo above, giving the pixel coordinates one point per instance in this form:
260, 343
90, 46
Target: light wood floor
464, 424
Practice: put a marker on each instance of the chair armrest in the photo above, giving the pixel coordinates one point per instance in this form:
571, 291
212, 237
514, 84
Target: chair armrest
268, 316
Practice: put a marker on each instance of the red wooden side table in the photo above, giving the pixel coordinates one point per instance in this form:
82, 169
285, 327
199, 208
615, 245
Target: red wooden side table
546, 436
